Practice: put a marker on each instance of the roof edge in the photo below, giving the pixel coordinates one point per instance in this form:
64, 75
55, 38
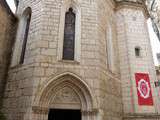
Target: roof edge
5, 5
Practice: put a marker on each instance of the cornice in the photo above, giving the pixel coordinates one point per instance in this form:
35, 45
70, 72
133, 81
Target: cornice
133, 5
133, 1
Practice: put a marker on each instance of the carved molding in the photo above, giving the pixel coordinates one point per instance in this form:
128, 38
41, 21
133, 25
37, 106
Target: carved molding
40, 110
66, 95
142, 116
135, 1
90, 112
65, 91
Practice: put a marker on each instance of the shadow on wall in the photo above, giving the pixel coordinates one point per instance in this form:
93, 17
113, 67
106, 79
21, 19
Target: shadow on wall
8, 29
2, 117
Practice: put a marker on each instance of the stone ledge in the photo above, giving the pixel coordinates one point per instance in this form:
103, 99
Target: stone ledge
130, 3
45, 110
69, 61
142, 116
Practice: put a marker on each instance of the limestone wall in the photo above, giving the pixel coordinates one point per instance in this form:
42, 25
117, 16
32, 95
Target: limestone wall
7, 35
20, 82
42, 64
44, 77
110, 85
132, 31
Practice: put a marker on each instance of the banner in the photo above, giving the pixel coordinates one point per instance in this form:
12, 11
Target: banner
143, 89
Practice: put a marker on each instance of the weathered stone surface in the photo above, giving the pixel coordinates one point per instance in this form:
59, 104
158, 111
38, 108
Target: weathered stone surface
44, 81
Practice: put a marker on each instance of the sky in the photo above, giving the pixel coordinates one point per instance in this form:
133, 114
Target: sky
11, 4
154, 40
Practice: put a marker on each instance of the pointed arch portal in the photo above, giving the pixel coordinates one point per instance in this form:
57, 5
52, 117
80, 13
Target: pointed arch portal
64, 95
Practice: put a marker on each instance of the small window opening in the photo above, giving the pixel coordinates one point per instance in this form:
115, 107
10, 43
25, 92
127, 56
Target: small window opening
137, 52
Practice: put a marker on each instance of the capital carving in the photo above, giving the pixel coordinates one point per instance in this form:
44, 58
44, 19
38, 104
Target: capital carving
89, 112
40, 110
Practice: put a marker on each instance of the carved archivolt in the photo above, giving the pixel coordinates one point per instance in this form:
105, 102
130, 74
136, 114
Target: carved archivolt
65, 91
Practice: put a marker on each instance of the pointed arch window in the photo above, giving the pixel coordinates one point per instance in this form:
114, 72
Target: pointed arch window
69, 43
69, 35
27, 19
19, 50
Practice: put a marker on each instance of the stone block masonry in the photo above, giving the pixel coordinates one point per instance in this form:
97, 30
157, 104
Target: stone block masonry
45, 81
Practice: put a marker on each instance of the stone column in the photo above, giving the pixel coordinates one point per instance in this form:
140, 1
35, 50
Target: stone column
89, 115
40, 113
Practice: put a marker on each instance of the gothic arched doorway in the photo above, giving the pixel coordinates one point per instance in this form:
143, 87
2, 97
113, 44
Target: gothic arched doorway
64, 95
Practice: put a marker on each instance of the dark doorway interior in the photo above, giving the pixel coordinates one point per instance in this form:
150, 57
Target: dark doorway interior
62, 114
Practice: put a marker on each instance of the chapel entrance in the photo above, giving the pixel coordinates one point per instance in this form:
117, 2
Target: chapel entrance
64, 114
66, 97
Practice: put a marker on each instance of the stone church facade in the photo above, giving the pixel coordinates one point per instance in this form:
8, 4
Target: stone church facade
80, 55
